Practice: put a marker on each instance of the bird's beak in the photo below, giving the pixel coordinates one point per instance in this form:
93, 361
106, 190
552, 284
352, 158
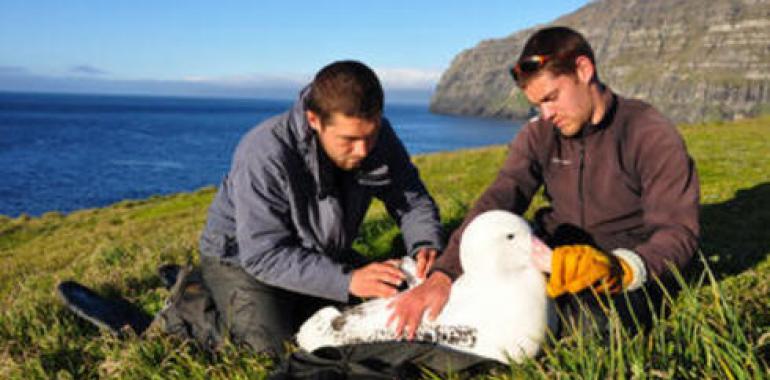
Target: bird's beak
541, 255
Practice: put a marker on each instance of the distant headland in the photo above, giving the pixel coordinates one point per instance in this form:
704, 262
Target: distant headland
694, 60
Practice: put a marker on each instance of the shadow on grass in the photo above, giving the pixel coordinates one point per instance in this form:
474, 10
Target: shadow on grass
735, 234
72, 361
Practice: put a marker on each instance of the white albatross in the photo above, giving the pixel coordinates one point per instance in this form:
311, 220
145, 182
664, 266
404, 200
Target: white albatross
497, 308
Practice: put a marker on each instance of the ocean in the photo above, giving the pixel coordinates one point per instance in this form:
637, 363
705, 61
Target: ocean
68, 152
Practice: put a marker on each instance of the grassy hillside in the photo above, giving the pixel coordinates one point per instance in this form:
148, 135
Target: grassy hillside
719, 328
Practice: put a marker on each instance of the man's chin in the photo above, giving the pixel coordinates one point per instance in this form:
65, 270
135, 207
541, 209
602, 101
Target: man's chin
568, 131
348, 166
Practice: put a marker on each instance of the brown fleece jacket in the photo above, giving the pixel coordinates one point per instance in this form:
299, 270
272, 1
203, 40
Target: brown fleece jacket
627, 181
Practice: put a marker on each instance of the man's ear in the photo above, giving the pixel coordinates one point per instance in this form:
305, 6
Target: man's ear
314, 120
585, 69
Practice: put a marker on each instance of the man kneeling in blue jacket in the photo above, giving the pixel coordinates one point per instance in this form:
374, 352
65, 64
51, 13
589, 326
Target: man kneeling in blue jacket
277, 242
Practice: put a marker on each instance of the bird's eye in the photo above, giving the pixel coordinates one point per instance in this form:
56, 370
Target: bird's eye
510, 236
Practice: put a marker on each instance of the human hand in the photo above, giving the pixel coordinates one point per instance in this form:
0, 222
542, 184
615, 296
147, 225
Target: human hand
378, 279
425, 259
409, 307
577, 267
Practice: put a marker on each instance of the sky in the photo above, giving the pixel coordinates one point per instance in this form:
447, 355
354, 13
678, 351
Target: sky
243, 48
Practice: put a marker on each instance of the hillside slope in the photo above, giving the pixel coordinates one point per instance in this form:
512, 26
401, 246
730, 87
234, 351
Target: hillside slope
695, 60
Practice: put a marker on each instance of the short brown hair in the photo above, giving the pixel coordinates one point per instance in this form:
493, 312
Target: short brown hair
347, 87
561, 45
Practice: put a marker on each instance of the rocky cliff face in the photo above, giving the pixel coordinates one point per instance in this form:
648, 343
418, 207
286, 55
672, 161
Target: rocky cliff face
694, 60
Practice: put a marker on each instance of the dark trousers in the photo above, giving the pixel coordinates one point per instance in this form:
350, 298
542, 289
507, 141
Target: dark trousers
587, 312
253, 313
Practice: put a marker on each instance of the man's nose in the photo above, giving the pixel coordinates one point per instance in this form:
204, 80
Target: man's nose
546, 112
361, 148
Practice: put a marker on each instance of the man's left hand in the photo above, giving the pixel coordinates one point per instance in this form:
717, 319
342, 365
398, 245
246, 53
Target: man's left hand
425, 259
577, 267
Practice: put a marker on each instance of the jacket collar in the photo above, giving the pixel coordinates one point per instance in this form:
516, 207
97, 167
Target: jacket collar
308, 145
606, 120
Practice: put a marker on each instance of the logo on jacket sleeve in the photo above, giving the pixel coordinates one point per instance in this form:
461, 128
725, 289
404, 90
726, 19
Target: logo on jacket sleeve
559, 161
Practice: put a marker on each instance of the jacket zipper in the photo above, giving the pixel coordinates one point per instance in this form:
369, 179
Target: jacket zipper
580, 182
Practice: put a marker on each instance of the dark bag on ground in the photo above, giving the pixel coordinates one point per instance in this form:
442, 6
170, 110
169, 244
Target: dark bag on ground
114, 314
386, 360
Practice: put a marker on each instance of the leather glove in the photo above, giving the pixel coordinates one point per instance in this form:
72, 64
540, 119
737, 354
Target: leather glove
577, 267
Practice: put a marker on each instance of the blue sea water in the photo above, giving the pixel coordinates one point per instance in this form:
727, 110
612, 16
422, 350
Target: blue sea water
67, 152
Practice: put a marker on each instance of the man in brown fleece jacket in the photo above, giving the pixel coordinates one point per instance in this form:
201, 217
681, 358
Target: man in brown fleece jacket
623, 191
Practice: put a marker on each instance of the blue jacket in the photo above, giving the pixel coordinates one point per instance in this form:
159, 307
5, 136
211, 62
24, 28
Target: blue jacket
288, 216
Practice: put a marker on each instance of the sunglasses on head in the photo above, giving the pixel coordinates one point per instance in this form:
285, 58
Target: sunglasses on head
529, 65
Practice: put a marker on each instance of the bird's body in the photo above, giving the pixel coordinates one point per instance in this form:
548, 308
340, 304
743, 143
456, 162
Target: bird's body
497, 309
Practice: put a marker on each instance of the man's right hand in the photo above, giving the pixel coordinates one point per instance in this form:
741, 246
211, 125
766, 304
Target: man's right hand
376, 280
409, 307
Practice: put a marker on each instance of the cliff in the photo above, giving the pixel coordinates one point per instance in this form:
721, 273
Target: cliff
694, 60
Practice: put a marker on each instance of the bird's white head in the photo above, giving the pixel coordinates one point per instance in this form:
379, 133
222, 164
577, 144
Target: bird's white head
499, 241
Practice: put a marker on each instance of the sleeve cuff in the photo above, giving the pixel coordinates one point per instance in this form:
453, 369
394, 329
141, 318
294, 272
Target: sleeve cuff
452, 276
635, 262
416, 247
343, 294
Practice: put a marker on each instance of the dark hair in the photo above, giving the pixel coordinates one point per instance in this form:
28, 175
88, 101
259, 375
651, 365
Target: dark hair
561, 44
347, 87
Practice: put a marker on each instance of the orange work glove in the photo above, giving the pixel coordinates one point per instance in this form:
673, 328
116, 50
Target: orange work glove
577, 267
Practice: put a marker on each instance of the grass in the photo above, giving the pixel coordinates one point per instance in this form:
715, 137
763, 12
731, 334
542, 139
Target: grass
719, 326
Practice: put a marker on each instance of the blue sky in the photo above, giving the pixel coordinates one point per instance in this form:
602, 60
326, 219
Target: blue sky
234, 47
